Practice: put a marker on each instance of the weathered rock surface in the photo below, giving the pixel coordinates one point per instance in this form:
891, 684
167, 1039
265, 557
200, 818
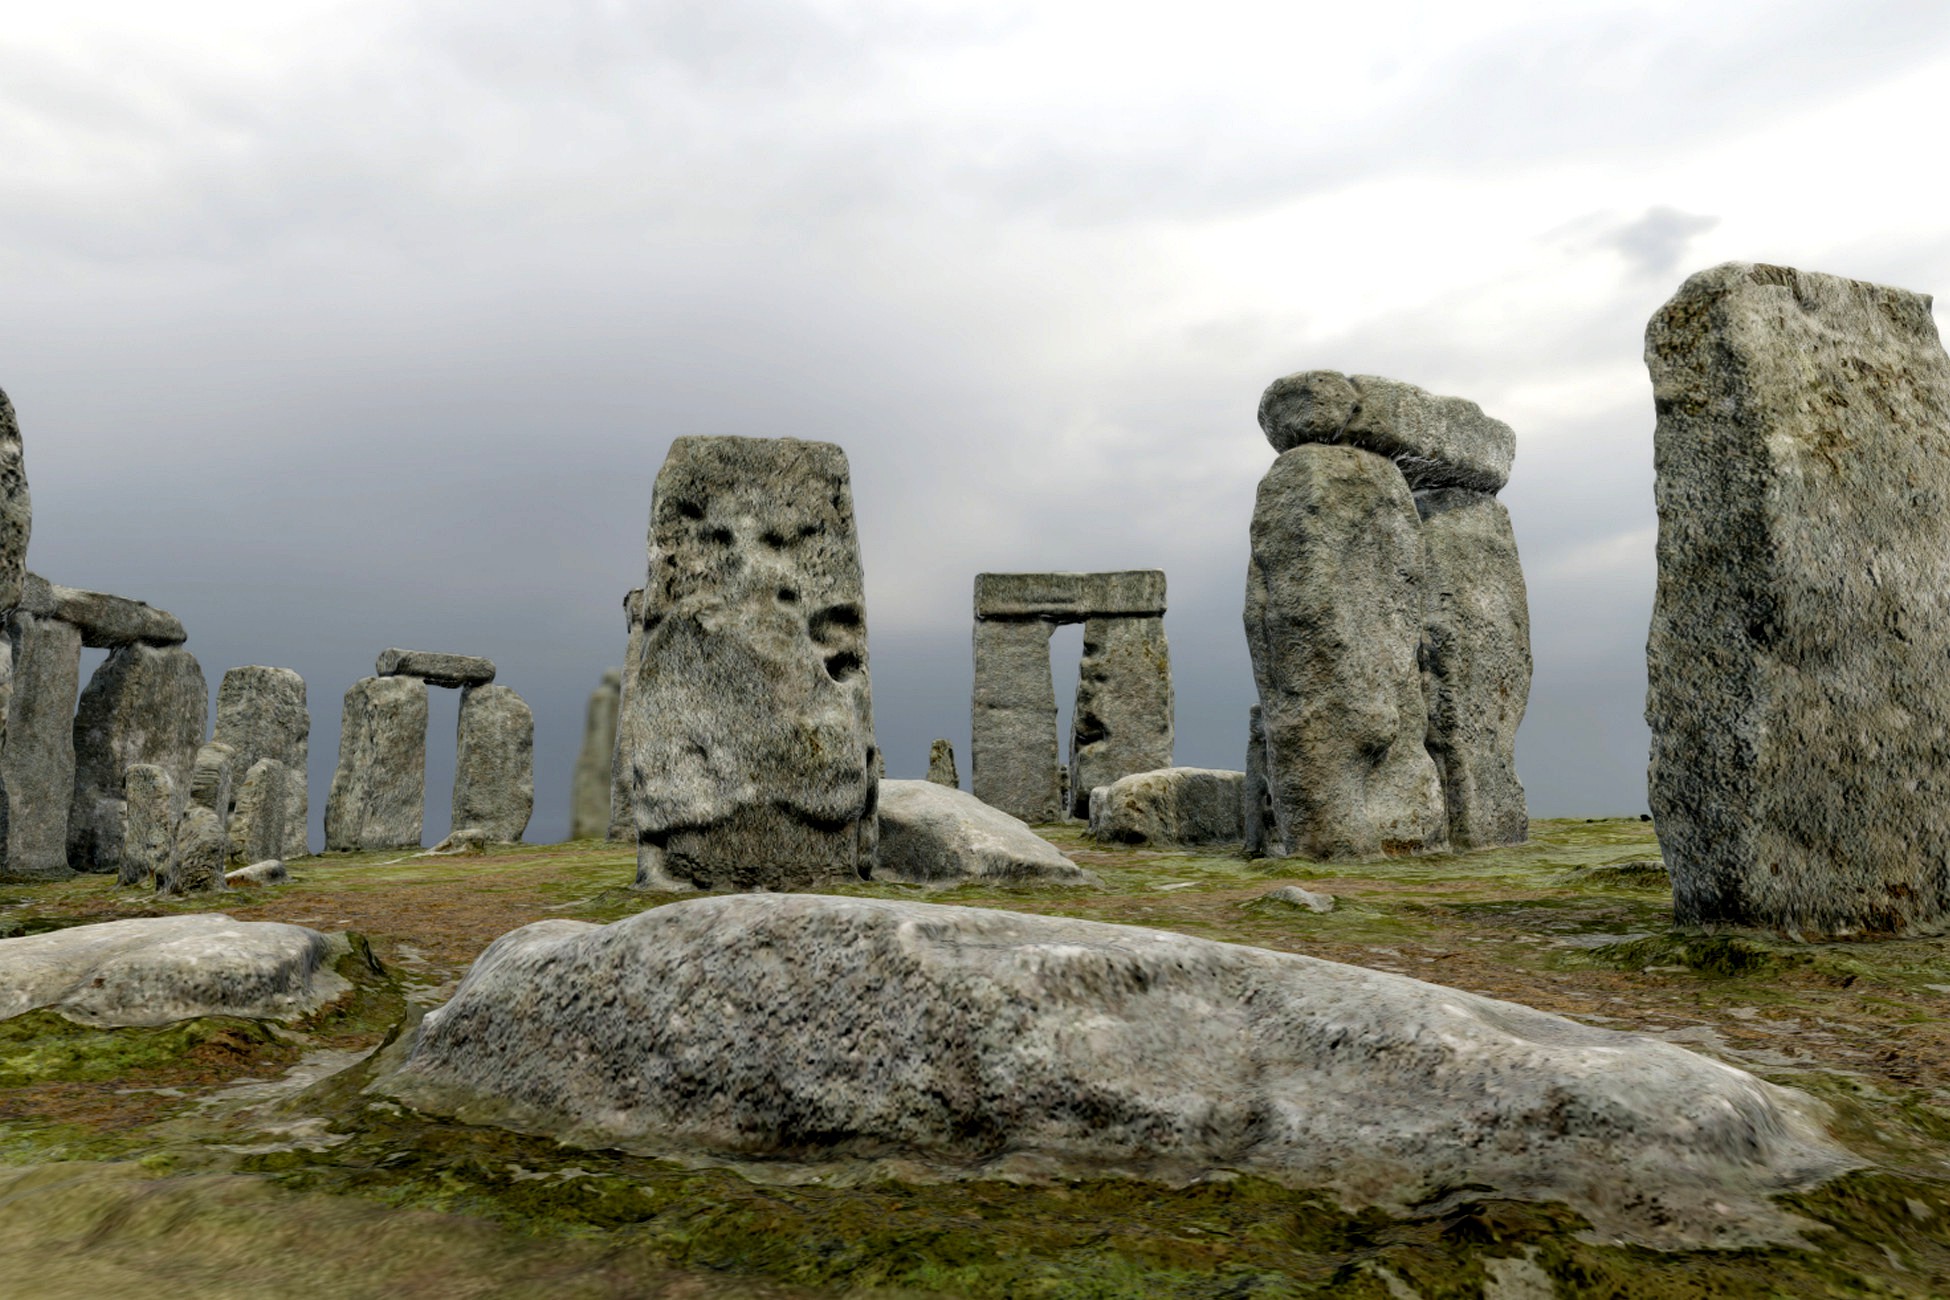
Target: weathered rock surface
258, 874
590, 787
1475, 664
941, 765
202, 849
861, 1027
379, 787
1434, 441
1122, 722
256, 827
1260, 828
213, 777
1799, 706
160, 969
434, 668
149, 830
494, 765
1012, 746
749, 732
622, 823
262, 713
1295, 896
1071, 597
16, 508
930, 834
37, 771
1335, 605
1170, 807
105, 622
143, 705
464, 841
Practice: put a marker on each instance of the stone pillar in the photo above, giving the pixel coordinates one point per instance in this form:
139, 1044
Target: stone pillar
262, 713
145, 704
941, 765
149, 825
1013, 748
590, 786
379, 789
622, 826
1260, 826
37, 766
1797, 693
256, 828
1122, 723
16, 509
196, 863
494, 763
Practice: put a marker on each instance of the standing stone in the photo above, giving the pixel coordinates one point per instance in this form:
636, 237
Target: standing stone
256, 827
1334, 615
37, 756
143, 705
198, 861
1259, 825
494, 764
16, 509
262, 713
750, 730
1476, 664
1796, 664
589, 794
1012, 749
379, 789
622, 824
149, 830
213, 777
941, 765
1122, 722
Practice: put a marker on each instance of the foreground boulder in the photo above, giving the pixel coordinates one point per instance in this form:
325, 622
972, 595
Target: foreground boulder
160, 969
931, 834
1172, 806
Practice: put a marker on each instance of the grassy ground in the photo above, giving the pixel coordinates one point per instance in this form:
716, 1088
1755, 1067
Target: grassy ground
211, 1159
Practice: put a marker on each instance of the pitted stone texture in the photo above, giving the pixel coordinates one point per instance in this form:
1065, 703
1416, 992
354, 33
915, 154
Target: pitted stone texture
262, 713
1122, 722
494, 764
1172, 807
1475, 664
149, 831
379, 789
1071, 597
434, 668
589, 790
1259, 827
1799, 706
861, 1027
202, 849
256, 828
750, 729
16, 508
37, 766
1434, 441
143, 705
622, 824
105, 621
941, 764
1335, 603
213, 777
159, 969
930, 834
1012, 749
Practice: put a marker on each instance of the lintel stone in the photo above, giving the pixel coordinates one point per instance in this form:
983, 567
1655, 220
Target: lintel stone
1070, 597
435, 669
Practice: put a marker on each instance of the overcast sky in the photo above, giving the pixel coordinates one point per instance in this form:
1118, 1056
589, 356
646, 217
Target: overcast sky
337, 326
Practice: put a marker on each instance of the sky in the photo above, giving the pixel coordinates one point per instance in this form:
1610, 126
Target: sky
340, 326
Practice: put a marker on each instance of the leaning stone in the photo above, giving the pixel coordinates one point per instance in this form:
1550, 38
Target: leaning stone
143, 705
750, 729
37, 765
1334, 614
932, 835
159, 969
213, 777
258, 874
1176, 806
262, 713
941, 765
1071, 597
1294, 896
1797, 694
494, 763
467, 841
949, 1034
16, 509
622, 825
1260, 827
1122, 722
256, 828
1013, 750
435, 669
589, 788
1434, 441
379, 789
201, 850
149, 830
1475, 664
105, 622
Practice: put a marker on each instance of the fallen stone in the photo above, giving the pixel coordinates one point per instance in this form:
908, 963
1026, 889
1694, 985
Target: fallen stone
1012, 748
256, 829
143, 705
149, 829
16, 508
105, 622
1122, 721
930, 834
435, 669
494, 764
1434, 441
37, 769
1799, 707
590, 787
1260, 828
202, 848
258, 874
1294, 896
941, 765
468, 841
262, 713
213, 776
1172, 807
159, 969
853, 1027
379, 788
750, 729
1071, 597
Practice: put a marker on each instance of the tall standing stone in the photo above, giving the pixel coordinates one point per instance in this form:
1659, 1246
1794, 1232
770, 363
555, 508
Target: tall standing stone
1122, 722
379, 789
589, 792
149, 827
1258, 823
256, 828
1012, 745
37, 757
750, 729
622, 823
941, 764
1797, 693
494, 764
145, 704
16, 509
262, 713
1334, 617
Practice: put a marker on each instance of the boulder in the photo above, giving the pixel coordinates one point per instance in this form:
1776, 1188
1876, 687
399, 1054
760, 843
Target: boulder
201, 851
149, 827
105, 622
590, 787
16, 509
749, 732
434, 668
1172, 807
256, 828
1122, 722
930, 834
262, 713
464, 841
37, 765
941, 765
494, 764
143, 705
816, 1027
258, 874
1335, 607
213, 777
379, 789
160, 969
1434, 441
1796, 692
1012, 746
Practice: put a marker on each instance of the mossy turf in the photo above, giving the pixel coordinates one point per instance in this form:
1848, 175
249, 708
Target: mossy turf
175, 1153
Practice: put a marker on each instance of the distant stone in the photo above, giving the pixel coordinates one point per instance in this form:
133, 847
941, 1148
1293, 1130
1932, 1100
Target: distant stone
749, 731
1261, 828
435, 669
213, 777
106, 622
262, 713
1434, 441
1122, 721
202, 849
149, 828
258, 874
933, 835
1797, 692
16, 509
160, 969
1172, 807
1294, 896
143, 705
256, 828
815, 1027
941, 765
591, 785
379, 789
1071, 597
494, 765
37, 767
1013, 746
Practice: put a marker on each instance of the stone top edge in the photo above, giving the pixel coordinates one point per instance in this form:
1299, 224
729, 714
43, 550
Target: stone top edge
1119, 593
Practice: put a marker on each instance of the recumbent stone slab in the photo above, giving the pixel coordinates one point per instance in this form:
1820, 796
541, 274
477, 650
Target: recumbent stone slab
1172, 807
494, 764
379, 788
1434, 441
932, 835
143, 705
435, 669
